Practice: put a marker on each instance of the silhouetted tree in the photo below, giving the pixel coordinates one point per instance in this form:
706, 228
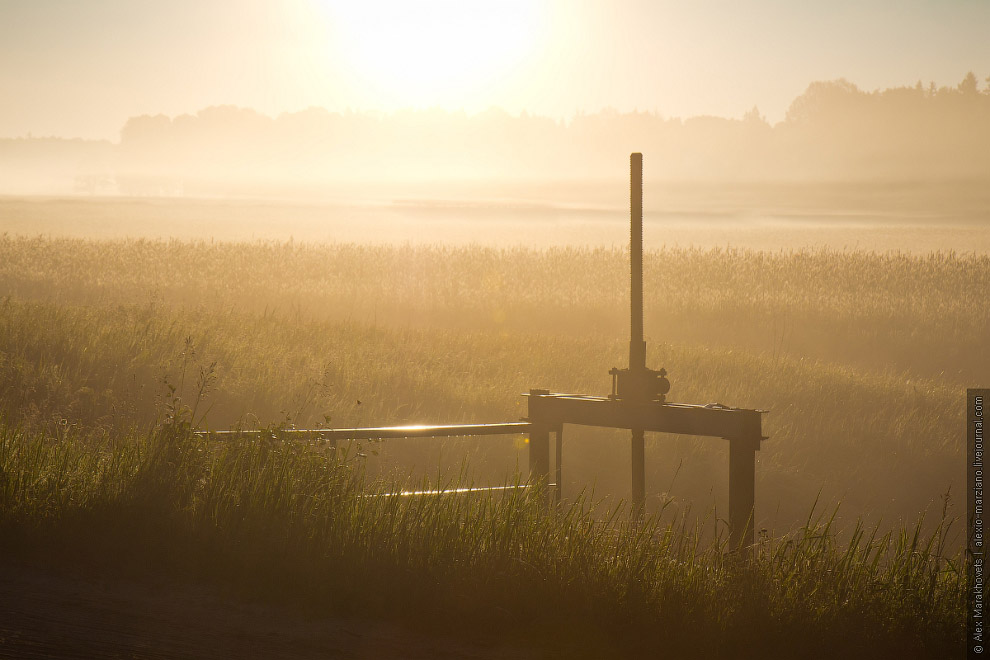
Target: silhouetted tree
833, 129
968, 86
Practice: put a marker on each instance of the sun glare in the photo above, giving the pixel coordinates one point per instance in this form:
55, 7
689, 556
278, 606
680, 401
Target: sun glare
431, 52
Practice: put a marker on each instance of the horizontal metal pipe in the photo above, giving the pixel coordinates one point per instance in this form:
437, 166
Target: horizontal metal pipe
384, 432
454, 491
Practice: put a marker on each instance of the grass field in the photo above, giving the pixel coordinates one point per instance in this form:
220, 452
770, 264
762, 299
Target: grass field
108, 347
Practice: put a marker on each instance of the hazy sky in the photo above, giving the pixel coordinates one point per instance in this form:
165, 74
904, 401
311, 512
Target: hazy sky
82, 67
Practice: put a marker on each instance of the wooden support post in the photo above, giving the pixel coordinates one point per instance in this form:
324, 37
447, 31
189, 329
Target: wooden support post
539, 446
539, 458
742, 491
638, 475
559, 477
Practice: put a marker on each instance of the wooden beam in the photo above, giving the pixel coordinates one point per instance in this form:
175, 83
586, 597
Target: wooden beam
710, 420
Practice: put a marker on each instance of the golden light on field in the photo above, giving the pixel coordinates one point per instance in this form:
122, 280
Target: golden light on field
434, 52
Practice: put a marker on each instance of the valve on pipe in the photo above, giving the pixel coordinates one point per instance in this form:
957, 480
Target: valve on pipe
639, 384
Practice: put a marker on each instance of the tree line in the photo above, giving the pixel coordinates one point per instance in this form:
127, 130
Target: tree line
833, 131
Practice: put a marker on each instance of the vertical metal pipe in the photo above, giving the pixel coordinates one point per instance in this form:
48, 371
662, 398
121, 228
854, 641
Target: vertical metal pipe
638, 475
558, 433
637, 347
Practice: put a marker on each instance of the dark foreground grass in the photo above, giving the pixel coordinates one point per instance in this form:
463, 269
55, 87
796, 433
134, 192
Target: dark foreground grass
296, 524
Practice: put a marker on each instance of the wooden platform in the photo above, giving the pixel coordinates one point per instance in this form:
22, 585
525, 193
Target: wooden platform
742, 427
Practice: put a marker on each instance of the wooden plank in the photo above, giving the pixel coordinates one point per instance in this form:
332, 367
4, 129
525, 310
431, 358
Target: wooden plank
709, 420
